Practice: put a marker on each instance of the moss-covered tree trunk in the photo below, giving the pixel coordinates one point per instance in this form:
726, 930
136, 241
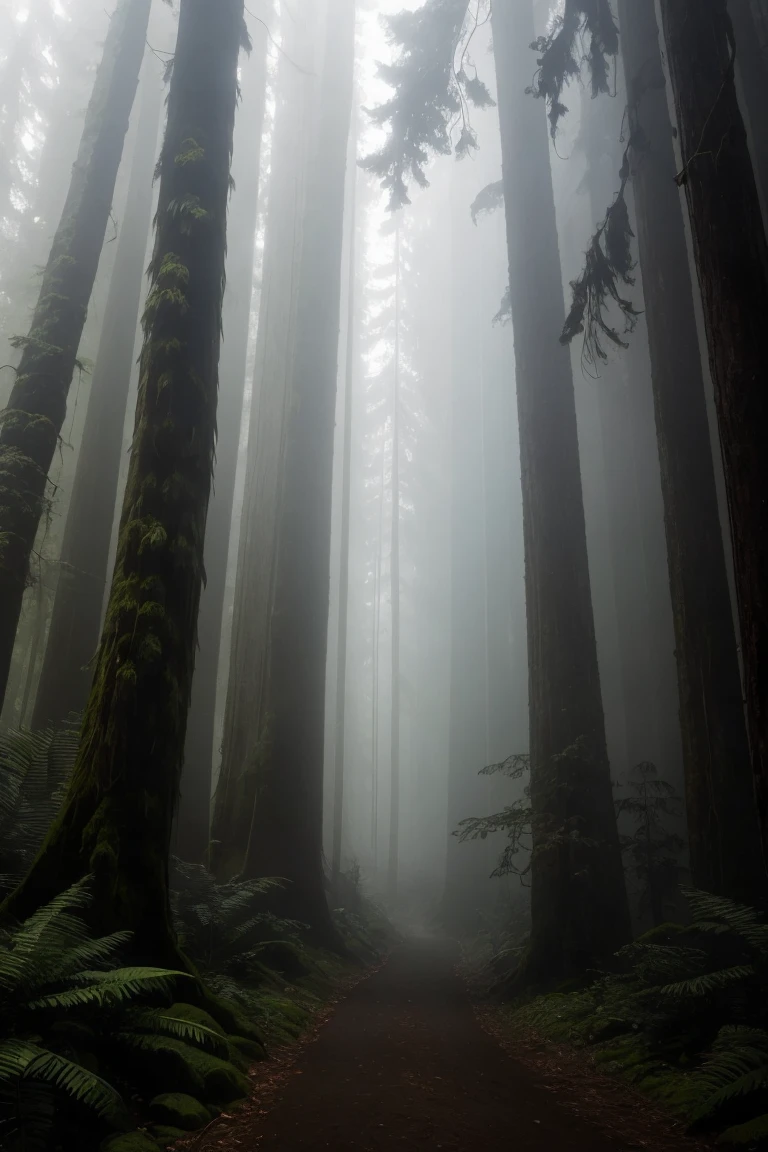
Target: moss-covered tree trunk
116, 819
31, 424
194, 818
731, 252
722, 828
73, 637
578, 900
286, 839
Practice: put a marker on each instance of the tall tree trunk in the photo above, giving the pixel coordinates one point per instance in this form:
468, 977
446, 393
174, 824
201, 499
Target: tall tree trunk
633, 495
245, 718
732, 261
376, 676
32, 422
350, 375
467, 867
578, 900
394, 581
73, 638
193, 829
714, 752
126, 777
752, 78
287, 833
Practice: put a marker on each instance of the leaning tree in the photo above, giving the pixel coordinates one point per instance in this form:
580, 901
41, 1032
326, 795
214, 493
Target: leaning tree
31, 424
115, 822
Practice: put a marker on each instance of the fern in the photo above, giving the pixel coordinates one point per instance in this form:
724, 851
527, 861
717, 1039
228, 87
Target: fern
24, 1060
34, 770
57, 982
737, 1066
710, 982
223, 927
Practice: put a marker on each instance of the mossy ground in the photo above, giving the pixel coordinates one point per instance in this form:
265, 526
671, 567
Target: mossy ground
182, 1087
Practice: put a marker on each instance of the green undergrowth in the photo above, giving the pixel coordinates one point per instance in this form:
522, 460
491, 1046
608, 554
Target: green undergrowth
684, 1020
96, 1053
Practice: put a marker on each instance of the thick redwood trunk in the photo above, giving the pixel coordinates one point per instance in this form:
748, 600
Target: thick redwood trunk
731, 255
722, 830
193, 824
37, 406
578, 900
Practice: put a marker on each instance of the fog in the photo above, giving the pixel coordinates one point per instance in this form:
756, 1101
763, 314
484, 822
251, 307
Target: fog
384, 512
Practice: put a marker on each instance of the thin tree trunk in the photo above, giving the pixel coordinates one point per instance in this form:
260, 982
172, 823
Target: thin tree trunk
578, 900
193, 828
341, 661
394, 579
376, 650
467, 867
32, 422
126, 777
73, 638
732, 261
618, 418
286, 839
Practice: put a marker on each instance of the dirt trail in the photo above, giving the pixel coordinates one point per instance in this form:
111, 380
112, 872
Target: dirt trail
404, 1064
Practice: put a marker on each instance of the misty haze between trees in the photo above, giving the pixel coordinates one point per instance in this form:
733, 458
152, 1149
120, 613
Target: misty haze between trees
383, 543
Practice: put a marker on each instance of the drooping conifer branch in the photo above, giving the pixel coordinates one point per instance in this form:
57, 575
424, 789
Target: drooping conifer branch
434, 85
586, 33
608, 265
487, 200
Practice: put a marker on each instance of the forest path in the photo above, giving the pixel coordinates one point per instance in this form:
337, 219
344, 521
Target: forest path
404, 1064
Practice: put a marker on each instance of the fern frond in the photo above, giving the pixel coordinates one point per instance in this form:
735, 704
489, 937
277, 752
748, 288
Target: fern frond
144, 1025
110, 988
23, 1060
709, 982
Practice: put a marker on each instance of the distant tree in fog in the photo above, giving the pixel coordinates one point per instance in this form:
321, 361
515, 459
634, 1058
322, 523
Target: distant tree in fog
73, 637
286, 833
36, 409
572, 923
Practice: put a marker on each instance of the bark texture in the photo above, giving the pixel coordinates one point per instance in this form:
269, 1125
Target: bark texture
722, 829
193, 828
578, 900
31, 424
731, 254
73, 637
127, 772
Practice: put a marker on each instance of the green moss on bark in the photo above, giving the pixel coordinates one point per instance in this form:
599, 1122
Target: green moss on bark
116, 820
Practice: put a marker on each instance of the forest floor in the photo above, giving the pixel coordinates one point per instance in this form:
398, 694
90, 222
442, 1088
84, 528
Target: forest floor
405, 1062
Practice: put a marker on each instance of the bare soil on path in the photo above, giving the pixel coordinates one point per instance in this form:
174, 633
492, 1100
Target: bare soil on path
403, 1063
